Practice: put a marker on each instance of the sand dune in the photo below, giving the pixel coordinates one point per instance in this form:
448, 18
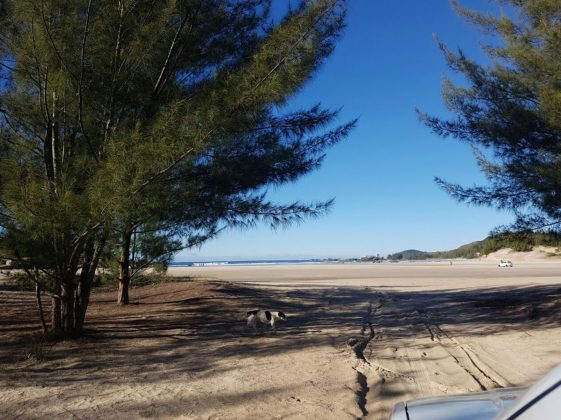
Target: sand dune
538, 254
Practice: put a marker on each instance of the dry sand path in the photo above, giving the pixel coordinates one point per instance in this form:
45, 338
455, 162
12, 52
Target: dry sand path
359, 338
433, 328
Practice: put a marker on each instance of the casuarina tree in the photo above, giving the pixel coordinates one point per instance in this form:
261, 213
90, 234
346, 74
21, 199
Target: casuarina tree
154, 120
509, 110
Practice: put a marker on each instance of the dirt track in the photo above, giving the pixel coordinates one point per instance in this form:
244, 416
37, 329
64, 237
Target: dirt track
358, 340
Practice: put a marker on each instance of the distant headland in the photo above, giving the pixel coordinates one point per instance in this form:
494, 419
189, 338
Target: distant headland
515, 241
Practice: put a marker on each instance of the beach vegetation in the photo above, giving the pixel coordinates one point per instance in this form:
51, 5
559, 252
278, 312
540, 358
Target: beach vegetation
132, 129
519, 241
508, 110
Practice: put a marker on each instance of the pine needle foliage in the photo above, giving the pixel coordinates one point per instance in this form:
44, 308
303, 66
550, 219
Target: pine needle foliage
151, 126
509, 111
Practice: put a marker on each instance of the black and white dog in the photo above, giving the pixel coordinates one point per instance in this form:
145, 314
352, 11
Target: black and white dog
264, 317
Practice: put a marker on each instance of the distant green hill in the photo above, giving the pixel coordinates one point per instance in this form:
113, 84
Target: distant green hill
523, 242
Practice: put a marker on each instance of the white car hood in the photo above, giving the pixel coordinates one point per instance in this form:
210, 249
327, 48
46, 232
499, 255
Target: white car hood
480, 406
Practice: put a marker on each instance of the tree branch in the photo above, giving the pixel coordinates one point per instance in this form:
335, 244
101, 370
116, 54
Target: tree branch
81, 83
51, 40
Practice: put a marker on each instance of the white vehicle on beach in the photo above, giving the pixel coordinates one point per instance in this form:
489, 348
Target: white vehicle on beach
541, 401
505, 263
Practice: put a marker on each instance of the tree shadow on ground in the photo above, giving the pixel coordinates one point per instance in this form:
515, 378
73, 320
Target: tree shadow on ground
170, 333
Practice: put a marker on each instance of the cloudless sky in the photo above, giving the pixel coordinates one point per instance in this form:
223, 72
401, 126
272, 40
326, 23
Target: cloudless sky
386, 64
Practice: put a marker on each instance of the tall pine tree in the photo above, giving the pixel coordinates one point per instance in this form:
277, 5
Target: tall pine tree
158, 117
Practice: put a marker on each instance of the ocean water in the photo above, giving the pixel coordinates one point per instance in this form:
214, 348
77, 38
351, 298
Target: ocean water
244, 262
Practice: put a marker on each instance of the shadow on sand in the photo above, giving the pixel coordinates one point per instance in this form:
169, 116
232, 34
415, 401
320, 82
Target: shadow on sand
179, 334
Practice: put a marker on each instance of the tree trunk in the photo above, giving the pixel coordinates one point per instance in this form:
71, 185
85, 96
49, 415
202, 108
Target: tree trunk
123, 296
82, 302
40, 308
84, 287
56, 323
86, 281
124, 269
67, 309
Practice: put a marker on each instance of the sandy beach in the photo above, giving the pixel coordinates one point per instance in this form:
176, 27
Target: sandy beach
359, 338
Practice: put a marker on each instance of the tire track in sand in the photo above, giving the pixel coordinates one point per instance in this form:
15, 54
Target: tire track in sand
363, 366
462, 355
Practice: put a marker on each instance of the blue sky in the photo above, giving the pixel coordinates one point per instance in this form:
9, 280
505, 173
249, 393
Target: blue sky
386, 64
